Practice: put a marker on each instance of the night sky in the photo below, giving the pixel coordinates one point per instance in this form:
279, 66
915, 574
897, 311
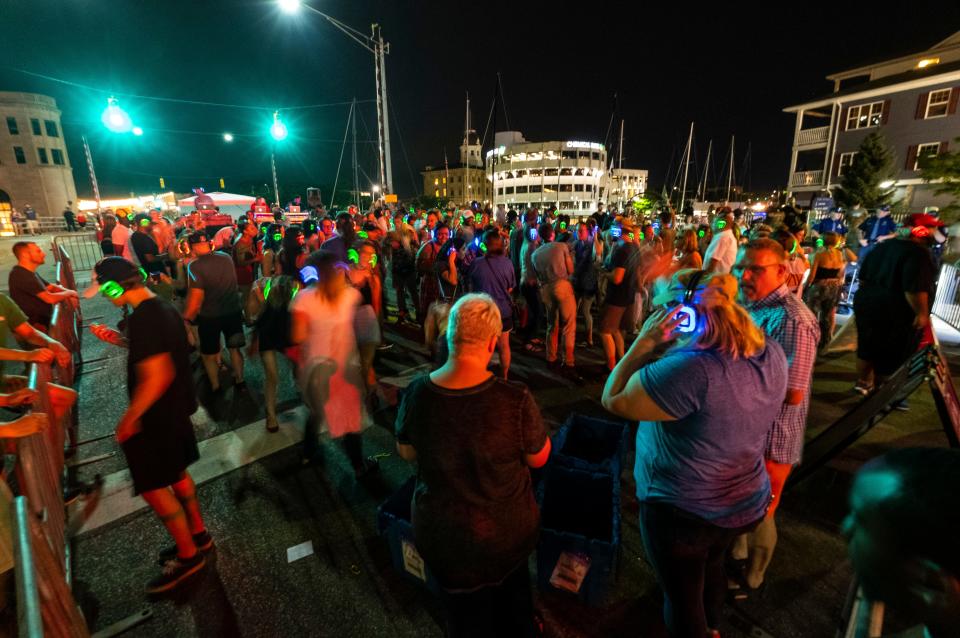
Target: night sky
730, 70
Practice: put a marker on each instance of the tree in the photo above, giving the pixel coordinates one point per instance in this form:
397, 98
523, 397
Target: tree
872, 165
945, 169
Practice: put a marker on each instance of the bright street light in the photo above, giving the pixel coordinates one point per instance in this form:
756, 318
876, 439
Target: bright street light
375, 188
115, 118
289, 6
228, 137
278, 130
137, 131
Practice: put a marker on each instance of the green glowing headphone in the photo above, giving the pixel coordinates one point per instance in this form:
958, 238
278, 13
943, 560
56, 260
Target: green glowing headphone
721, 224
145, 222
362, 234
819, 242
701, 233
353, 256
269, 284
277, 236
113, 290
563, 225
373, 260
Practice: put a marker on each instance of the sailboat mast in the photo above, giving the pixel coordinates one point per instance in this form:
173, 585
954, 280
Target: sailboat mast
730, 172
706, 170
686, 168
356, 178
466, 142
620, 169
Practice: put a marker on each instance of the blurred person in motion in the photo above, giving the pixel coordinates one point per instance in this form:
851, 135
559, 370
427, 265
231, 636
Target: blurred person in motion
493, 274
706, 385
553, 265
825, 282
474, 437
331, 374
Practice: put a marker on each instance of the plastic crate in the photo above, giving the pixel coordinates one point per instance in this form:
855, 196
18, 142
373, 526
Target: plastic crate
591, 445
580, 514
393, 522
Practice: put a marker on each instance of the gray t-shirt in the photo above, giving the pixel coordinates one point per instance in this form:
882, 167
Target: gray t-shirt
215, 275
550, 262
709, 461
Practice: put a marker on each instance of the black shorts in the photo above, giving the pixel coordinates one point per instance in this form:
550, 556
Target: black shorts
884, 338
210, 329
506, 324
159, 454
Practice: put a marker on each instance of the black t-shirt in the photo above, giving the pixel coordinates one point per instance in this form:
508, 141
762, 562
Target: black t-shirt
474, 514
892, 268
622, 257
24, 288
144, 245
155, 327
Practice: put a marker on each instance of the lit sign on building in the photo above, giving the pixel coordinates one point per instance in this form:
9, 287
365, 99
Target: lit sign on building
594, 146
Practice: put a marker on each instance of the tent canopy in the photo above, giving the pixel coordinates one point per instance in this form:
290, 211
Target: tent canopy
221, 199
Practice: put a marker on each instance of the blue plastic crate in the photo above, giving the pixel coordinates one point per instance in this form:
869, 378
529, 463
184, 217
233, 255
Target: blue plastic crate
393, 522
589, 444
580, 513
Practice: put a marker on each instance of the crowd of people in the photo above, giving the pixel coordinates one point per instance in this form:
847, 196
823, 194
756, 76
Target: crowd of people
709, 330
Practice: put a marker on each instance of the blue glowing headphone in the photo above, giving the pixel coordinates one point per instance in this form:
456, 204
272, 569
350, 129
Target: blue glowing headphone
688, 313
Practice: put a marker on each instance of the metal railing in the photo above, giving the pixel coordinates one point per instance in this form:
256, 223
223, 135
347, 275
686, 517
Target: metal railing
946, 304
807, 178
813, 136
45, 604
82, 250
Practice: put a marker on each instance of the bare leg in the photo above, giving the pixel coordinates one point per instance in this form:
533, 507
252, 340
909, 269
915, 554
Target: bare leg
236, 358
212, 369
609, 349
367, 352
865, 373
763, 542
167, 507
503, 345
618, 341
186, 493
269, 358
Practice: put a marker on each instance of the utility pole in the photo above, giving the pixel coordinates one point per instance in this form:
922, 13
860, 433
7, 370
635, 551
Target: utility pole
93, 173
380, 50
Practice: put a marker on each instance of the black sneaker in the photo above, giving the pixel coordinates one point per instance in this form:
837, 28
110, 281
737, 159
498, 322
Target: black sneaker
203, 541
571, 373
175, 571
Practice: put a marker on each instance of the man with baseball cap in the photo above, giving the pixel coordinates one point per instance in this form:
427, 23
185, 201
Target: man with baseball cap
875, 229
892, 306
145, 247
155, 432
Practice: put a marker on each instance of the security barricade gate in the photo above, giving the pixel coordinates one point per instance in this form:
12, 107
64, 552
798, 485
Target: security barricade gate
946, 304
82, 248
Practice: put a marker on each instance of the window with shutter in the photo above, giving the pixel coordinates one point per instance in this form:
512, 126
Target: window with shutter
885, 114
954, 96
921, 106
911, 158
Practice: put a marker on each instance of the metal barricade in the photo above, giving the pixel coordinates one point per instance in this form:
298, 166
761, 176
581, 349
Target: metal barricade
946, 305
45, 604
40, 465
82, 248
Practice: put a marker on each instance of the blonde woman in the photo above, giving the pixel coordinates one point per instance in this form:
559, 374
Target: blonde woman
825, 281
705, 405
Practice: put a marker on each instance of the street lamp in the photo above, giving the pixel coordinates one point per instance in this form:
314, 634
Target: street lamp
115, 118
136, 130
374, 44
228, 137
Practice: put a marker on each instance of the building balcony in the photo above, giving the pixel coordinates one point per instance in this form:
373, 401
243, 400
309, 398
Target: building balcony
813, 136
806, 178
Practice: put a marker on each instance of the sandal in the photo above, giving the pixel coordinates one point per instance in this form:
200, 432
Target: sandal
532, 347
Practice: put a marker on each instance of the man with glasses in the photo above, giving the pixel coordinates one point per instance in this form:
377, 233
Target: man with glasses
155, 432
762, 270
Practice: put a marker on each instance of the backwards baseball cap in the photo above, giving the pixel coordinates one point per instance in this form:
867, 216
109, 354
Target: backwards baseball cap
197, 237
112, 270
142, 219
924, 219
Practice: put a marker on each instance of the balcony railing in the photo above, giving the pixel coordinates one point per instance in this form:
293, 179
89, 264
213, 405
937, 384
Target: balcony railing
807, 178
812, 136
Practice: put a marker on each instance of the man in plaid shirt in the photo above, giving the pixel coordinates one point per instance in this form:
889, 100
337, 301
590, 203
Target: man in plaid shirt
762, 270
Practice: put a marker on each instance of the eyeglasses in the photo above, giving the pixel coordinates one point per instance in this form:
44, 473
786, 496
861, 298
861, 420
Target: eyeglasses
753, 270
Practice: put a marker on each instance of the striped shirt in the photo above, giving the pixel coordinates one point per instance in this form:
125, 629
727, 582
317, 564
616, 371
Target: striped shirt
786, 320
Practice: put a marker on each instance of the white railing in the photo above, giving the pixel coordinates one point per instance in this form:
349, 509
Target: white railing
813, 136
807, 178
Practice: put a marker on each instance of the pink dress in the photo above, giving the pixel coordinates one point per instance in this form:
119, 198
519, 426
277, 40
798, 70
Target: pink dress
331, 379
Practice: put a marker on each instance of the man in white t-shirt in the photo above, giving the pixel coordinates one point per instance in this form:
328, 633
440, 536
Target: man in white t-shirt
722, 251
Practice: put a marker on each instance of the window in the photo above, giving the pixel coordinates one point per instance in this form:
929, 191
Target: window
937, 103
535, 188
846, 159
12, 126
444, 192
568, 154
500, 191
595, 155
35, 125
566, 172
509, 190
57, 157
436, 193
578, 188
864, 116
21, 157
521, 173
521, 190
444, 180
566, 205
51, 127
566, 188
42, 154
925, 150
535, 172
588, 187
550, 172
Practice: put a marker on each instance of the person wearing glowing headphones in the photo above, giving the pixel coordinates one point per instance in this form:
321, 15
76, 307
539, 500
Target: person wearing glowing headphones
706, 384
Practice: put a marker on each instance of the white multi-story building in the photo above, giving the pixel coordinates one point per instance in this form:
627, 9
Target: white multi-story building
622, 185
565, 174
